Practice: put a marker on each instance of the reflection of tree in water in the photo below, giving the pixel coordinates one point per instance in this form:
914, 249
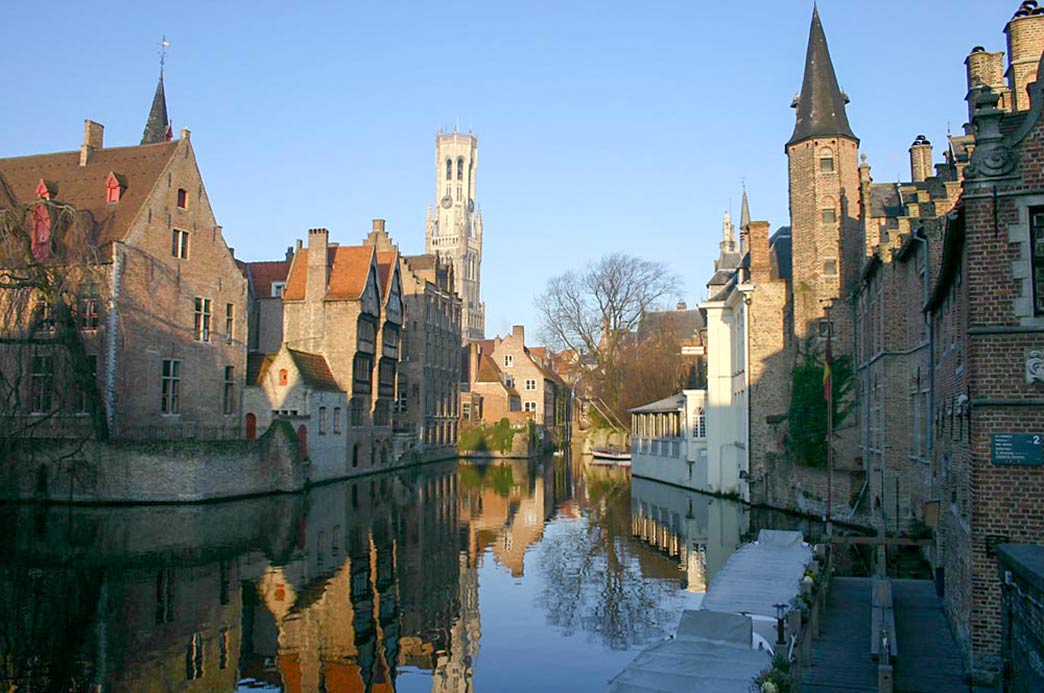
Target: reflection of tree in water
592, 579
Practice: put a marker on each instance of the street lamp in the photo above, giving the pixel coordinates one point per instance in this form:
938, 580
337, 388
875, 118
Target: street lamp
781, 612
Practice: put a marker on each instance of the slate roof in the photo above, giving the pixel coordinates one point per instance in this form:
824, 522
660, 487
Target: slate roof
349, 268
885, 200
821, 103
157, 127
782, 253
263, 274
84, 187
685, 323
672, 403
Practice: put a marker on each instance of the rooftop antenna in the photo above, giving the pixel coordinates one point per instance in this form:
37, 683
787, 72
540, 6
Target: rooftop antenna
164, 44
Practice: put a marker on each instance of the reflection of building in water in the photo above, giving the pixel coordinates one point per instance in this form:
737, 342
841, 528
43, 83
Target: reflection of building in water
698, 531
504, 505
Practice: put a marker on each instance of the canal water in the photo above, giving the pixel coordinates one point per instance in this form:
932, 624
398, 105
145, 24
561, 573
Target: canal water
509, 576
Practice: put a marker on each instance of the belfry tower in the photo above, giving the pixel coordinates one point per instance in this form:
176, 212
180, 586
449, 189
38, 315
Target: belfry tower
824, 198
454, 226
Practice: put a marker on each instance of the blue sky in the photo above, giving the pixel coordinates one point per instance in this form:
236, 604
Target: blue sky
603, 126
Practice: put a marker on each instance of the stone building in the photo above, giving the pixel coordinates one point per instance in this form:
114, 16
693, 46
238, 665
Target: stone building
430, 365
159, 304
454, 226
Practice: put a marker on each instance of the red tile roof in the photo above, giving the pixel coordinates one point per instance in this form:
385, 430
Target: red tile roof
84, 186
263, 274
349, 268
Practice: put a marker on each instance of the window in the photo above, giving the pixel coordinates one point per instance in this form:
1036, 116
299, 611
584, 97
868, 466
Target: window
182, 198
466, 409
509, 382
337, 421
829, 215
113, 189
1037, 238
826, 161
170, 383
322, 421
230, 314
355, 408
367, 336
531, 385
530, 406
509, 360
830, 267
228, 400
89, 307
42, 383
460, 169
202, 319
824, 328
81, 399
43, 317
277, 289
449, 169
179, 244
362, 374
194, 657
284, 377
699, 423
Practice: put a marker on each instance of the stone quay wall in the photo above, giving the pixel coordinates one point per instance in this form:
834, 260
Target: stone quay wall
154, 472
1022, 615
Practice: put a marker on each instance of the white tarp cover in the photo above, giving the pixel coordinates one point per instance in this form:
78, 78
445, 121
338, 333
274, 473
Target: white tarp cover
712, 652
760, 575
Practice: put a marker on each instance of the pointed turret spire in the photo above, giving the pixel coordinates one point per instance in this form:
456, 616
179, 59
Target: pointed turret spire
744, 210
728, 241
157, 127
821, 103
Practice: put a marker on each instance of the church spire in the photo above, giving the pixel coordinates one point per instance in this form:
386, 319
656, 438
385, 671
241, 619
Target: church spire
744, 211
821, 103
157, 127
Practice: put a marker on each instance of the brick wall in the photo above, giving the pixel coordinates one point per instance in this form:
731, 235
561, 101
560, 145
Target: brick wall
1021, 579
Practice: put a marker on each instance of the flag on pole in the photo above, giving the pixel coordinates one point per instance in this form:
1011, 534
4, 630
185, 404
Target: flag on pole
826, 375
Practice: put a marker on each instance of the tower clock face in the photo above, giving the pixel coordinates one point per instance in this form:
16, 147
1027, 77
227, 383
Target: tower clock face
447, 201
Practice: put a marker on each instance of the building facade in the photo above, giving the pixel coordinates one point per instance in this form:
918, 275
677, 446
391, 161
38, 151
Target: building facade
454, 226
149, 287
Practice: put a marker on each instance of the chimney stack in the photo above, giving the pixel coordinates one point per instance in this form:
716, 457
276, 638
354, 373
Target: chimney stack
920, 159
1025, 44
682, 306
520, 332
93, 136
290, 253
758, 242
318, 265
378, 225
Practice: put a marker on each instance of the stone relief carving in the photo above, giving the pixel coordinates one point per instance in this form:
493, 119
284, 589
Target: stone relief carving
1034, 367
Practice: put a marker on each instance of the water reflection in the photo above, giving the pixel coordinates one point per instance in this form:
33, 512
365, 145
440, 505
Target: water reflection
436, 578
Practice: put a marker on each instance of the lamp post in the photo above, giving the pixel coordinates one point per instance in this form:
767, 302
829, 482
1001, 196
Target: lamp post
781, 612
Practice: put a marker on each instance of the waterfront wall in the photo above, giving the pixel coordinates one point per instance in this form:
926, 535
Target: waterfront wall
1022, 615
154, 472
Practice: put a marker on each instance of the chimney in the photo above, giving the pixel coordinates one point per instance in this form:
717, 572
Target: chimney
1025, 44
520, 332
318, 265
378, 225
920, 159
290, 253
93, 134
473, 359
758, 242
682, 306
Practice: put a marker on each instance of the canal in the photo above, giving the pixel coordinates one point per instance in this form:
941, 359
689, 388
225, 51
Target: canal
512, 576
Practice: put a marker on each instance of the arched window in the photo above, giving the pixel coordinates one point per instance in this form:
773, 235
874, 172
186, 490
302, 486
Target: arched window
826, 160
449, 169
460, 168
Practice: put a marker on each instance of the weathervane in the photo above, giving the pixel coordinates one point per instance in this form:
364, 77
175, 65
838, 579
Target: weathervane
163, 52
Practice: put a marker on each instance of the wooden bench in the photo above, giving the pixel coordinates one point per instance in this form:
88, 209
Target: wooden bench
884, 647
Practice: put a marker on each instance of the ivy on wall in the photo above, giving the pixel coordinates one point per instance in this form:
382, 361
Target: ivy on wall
807, 442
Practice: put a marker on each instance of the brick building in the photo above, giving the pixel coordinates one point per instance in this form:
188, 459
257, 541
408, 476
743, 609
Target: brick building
430, 365
266, 281
160, 305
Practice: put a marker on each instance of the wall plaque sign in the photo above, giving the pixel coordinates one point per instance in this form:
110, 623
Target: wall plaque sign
1017, 449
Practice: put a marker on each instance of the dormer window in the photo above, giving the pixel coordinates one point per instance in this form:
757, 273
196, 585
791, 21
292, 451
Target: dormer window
277, 289
115, 184
46, 190
182, 198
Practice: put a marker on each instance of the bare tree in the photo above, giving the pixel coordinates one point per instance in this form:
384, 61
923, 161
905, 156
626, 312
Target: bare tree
49, 275
595, 312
